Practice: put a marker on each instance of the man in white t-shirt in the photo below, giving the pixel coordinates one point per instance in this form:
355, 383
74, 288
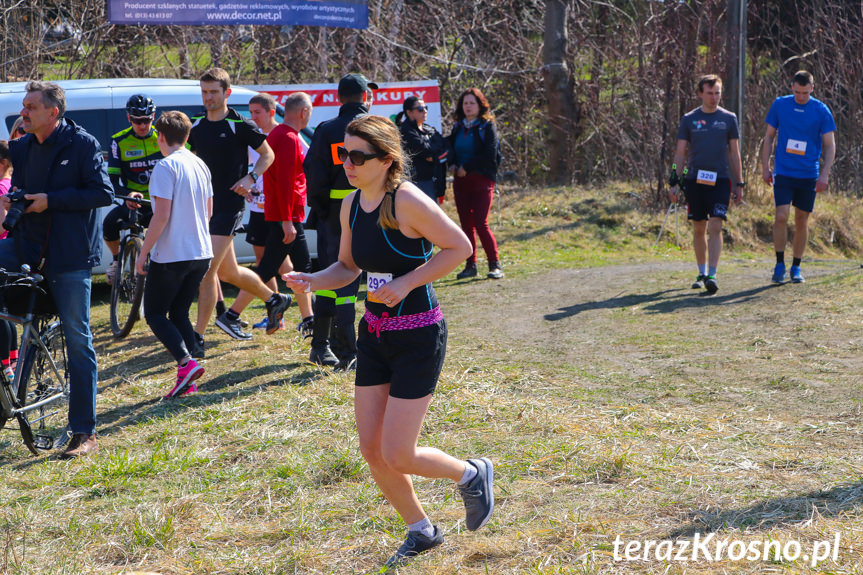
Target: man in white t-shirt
178, 243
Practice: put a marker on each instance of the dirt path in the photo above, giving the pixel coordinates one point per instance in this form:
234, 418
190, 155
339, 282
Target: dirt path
592, 326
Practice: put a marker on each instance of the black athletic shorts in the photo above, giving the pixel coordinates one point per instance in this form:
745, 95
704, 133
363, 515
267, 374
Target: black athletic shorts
707, 202
257, 229
224, 223
120, 215
799, 192
409, 360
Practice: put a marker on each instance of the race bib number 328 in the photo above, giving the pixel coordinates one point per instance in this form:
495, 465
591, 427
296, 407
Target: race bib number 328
706, 177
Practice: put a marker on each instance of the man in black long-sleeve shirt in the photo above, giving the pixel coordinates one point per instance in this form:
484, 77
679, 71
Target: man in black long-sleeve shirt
327, 186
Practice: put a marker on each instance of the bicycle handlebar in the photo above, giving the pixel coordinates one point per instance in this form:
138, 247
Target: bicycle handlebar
139, 201
24, 277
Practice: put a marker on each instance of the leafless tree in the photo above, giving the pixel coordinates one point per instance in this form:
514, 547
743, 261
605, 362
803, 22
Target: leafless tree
583, 90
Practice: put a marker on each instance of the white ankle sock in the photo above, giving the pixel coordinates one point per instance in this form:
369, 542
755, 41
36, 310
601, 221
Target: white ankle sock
469, 473
424, 526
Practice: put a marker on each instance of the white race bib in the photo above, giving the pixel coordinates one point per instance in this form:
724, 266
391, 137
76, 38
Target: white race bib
707, 178
374, 282
795, 147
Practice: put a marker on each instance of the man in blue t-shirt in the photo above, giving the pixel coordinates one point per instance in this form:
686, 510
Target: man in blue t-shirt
708, 141
802, 129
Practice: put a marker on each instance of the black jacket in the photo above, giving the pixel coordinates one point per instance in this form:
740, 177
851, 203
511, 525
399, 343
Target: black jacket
486, 145
77, 184
323, 170
421, 143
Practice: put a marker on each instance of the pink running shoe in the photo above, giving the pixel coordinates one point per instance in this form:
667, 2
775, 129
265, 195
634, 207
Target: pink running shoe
186, 375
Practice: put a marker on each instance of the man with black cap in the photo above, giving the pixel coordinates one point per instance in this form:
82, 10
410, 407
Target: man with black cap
327, 186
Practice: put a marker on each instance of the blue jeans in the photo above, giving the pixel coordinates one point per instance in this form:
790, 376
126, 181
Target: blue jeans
71, 292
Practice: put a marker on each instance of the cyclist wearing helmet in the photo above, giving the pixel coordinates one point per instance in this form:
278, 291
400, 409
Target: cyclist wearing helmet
134, 152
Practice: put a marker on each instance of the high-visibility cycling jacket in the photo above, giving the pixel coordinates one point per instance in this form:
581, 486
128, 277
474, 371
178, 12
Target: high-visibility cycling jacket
132, 160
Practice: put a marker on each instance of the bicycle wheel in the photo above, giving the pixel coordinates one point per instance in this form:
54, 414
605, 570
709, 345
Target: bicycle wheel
127, 291
45, 426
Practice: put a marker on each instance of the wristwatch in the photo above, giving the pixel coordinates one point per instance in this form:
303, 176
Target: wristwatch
253, 175
740, 185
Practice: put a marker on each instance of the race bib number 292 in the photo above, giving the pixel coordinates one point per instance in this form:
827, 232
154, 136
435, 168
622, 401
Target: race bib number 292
374, 282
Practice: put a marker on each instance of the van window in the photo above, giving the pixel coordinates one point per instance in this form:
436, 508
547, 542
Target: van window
95, 122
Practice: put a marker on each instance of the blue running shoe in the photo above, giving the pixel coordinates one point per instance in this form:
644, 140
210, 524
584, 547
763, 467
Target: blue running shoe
779, 274
796, 276
261, 324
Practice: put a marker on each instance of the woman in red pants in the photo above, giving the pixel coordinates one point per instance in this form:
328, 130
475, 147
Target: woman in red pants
473, 160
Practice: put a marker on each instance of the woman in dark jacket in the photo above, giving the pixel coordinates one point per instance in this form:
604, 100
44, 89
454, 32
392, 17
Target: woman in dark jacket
473, 160
425, 146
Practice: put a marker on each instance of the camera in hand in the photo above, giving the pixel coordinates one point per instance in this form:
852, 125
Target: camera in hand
16, 210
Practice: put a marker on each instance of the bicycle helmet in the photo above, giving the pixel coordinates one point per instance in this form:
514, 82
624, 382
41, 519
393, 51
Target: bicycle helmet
140, 105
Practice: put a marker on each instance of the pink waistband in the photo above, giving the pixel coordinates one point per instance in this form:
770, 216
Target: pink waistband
413, 321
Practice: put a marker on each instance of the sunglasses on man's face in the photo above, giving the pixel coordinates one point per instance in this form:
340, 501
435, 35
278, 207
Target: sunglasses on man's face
358, 157
141, 120
421, 108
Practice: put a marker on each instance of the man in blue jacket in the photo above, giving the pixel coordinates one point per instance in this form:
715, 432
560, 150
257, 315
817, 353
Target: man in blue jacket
60, 168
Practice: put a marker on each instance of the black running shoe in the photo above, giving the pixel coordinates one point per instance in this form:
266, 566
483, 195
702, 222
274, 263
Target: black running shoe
323, 356
711, 285
275, 311
197, 351
699, 282
478, 495
469, 271
232, 327
415, 544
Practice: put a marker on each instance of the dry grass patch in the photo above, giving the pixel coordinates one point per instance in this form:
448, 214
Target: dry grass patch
613, 400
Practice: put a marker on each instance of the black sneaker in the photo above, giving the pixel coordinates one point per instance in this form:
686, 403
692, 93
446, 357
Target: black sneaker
275, 311
469, 271
494, 271
699, 282
347, 363
415, 544
197, 351
232, 327
711, 285
323, 356
478, 495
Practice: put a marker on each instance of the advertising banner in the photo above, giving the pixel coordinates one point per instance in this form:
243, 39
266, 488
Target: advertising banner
332, 13
388, 98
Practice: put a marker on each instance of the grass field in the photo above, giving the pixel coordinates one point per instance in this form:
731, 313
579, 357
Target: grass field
617, 404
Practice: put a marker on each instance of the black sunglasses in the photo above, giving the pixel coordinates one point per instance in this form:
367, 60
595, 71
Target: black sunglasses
358, 157
421, 108
141, 120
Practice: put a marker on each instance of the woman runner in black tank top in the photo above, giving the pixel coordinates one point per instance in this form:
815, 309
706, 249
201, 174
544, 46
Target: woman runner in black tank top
378, 250
389, 228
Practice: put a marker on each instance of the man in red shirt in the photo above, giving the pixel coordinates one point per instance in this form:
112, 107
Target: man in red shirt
284, 204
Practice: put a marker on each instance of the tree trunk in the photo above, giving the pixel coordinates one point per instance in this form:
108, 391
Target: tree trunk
562, 112
736, 58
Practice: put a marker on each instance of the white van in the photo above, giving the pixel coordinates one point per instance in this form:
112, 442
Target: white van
100, 107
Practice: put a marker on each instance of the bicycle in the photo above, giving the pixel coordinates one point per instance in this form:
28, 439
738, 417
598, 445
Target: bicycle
127, 289
38, 395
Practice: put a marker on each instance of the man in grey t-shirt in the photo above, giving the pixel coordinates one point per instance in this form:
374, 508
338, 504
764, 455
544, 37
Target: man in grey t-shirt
708, 141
